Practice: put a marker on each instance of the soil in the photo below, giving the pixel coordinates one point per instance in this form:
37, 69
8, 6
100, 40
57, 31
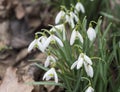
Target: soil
19, 20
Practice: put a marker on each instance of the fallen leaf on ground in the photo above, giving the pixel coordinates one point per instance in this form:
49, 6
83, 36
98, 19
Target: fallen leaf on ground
10, 82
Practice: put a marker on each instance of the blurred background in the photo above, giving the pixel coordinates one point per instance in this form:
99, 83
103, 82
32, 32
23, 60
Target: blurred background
20, 19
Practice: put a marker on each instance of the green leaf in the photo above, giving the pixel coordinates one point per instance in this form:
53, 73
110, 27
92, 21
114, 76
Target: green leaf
41, 66
45, 83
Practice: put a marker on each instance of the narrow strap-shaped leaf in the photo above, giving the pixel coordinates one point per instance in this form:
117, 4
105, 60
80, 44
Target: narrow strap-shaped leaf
45, 83
42, 67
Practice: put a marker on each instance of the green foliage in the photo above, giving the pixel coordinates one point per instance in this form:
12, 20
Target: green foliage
104, 50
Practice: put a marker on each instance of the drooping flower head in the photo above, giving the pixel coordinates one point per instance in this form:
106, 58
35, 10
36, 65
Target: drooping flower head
71, 18
53, 38
59, 28
75, 34
91, 33
84, 59
59, 16
50, 60
51, 74
79, 7
89, 89
36, 43
42, 39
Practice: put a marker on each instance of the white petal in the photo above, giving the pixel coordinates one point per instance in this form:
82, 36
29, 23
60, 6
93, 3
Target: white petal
58, 41
80, 7
91, 33
74, 64
47, 42
89, 89
58, 28
52, 58
56, 77
73, 37
59, 16
47, 62
43, 39
87, 59
72, 23
32, 44
88, 69
70, 20
67, 17
80, 37
45, 75
80, 63
40, 46
48, 77
74, 16
48, 73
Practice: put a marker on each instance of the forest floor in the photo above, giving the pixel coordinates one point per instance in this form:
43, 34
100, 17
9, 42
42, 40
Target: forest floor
19, 20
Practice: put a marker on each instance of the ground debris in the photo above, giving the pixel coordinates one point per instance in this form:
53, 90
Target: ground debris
10, 82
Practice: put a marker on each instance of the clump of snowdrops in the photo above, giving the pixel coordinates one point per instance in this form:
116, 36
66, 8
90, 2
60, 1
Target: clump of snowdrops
70, 61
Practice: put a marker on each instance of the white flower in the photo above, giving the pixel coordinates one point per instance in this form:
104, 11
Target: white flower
51, 74
78, 63
53, 38
84, 59
49, 60
71, 18
75, 34
60, 28
35, 43
59, 16
91, 33
88, 69
79, 7
89, 89
42, 39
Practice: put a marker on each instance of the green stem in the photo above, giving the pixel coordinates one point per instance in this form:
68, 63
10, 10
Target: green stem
78, 82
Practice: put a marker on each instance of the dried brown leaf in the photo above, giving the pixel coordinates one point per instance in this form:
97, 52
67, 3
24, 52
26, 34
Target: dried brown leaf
20, 12
10, 82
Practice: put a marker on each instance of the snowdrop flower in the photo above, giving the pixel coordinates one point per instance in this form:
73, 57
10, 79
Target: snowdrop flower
73, 16
88, 69
42, 39
35, 43
84, 59
50, 59
51, 74
60, 28
91, 33
59, 16
75, 34
79, 7
89, 89
53, 38
70, 19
